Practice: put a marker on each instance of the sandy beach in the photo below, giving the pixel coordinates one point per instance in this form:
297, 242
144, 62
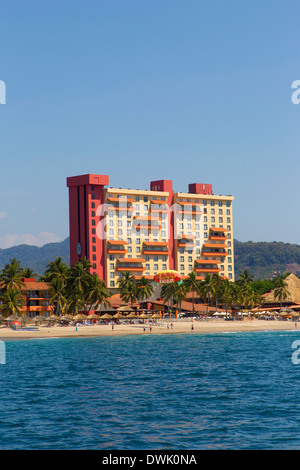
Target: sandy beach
164, 327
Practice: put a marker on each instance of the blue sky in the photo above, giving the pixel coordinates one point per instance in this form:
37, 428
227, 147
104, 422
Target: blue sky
190, 90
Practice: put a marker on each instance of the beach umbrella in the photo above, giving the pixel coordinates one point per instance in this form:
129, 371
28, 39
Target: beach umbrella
25, 319
167, 276
54, 317
13, 318
106, 316
93, 316
66, 318
80, 317
144, 315
155, 315
125, 308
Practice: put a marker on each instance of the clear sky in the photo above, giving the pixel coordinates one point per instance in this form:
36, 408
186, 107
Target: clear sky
188, 90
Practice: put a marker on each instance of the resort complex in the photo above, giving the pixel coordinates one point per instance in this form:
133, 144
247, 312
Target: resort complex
147, 231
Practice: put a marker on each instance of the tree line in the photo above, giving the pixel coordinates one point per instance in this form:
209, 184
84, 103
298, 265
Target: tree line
74, 288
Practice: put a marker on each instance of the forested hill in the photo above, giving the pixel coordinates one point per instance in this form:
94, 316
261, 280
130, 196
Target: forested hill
262, 259
36, 258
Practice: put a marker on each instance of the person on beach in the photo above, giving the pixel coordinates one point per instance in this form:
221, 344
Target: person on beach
192, 327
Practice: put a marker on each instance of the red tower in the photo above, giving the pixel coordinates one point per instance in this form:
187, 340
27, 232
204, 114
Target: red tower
85, 195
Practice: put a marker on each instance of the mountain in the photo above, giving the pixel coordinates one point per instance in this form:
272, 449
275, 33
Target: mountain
36, 258
262, 259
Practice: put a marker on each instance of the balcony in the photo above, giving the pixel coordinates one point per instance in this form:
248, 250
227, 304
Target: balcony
130, 264
156, 248
116, 246
207, 266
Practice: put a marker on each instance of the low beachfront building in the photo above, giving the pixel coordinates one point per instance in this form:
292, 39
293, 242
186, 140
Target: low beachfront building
36, 298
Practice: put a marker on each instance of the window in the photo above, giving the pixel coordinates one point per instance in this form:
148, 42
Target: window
212, 211
181, 259
155, 258
164, 266
112, 275
93, 205
220, 220
156, 267
228, 220
111, 257
93, 195
182, 267
220, 203
94, 257
112, 283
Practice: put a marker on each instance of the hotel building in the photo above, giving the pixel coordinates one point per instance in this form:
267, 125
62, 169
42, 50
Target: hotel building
145, 231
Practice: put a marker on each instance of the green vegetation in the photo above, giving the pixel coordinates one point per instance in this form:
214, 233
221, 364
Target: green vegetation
262, 259
71, 289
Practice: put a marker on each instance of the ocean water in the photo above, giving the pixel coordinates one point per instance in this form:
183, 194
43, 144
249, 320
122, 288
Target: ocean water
172, 392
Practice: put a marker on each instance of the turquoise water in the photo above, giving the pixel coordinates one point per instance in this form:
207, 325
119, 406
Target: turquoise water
184, 392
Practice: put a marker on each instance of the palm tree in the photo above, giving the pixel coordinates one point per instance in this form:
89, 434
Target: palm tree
180, 292
168, 293
192, 284
281, 291
245, 277
144, 289
56, 269
227, 294
58, 294
12, 275
12, 301
129, 293
76, 300
98, 294
79, 280
208, 288
28, 273
125, 280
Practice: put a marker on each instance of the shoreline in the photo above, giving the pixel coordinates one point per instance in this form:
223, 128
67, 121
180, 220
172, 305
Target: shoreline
179, 327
